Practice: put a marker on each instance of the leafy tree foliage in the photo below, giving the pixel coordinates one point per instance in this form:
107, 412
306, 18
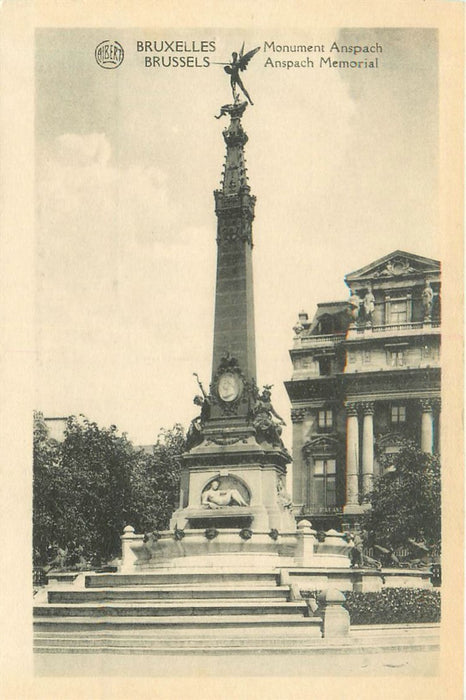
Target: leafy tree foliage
46, 487
88, 487
155, 482
406, 500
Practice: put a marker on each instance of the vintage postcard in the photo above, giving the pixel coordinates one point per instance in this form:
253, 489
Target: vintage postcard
232, 301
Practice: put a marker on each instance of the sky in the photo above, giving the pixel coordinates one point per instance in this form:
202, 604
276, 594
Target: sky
343, 164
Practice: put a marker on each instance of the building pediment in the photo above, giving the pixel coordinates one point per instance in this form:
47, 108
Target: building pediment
396, 265
321, 444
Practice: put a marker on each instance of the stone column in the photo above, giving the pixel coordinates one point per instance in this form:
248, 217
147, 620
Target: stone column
368, 447
352, 455
299, 463
437, 406
427, 428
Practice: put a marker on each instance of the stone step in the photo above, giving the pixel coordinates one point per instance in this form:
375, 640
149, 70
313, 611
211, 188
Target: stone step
182, 577
312, 643
170, 593
194, 607
176, 629
280, 637
61, 627
231, 635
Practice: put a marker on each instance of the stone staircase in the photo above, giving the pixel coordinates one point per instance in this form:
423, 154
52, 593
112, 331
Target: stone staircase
160, 612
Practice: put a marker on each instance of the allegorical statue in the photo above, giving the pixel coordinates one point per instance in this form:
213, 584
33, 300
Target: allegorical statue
238, 63
354, 302
369, 305
215, 497
194, 435
267, 422
427, 300
283, 497
387, 556
357, 555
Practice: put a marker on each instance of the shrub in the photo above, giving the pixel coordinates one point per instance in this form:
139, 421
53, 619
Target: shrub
391, 606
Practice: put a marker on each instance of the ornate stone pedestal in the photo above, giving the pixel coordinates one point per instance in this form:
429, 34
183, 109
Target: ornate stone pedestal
234, 504
248, 483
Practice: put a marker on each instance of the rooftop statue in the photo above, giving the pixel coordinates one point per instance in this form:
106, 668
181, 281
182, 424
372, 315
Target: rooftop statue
238, 63
427, 301
369, 305
354, 302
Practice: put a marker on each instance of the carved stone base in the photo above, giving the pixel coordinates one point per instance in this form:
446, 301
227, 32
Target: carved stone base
255, 475
216, 548
232, 517
258, 518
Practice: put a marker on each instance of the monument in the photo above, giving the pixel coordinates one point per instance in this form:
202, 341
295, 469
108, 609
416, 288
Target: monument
234, 509
234, 469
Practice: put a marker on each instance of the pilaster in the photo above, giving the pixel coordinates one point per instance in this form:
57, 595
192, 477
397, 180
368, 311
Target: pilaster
427, 427
299, 465
437, 409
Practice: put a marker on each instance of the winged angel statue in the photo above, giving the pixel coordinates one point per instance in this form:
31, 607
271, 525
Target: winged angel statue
238, 63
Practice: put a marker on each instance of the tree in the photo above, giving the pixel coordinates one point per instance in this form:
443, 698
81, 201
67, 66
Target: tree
97, 464
88, 487
406, 500
155, 482
46, 476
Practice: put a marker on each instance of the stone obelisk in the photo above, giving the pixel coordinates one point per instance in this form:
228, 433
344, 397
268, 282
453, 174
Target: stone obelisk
234, 469
233, 382
234, 302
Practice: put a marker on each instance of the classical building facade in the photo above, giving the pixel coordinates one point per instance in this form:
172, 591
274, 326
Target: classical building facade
366, 374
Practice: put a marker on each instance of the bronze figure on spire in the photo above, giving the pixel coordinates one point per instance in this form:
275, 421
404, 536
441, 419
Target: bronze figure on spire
238, 63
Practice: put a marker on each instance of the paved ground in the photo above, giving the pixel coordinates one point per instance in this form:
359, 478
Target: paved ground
415, 663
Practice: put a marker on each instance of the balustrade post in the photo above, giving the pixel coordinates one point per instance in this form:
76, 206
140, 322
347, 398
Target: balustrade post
335, 618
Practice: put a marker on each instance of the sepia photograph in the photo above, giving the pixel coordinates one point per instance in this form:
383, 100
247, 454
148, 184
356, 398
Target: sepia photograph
238, 435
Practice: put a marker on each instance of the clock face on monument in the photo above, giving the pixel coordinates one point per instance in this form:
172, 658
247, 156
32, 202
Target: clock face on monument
229, 387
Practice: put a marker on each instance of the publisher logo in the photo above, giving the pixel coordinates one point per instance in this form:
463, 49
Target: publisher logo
109, 54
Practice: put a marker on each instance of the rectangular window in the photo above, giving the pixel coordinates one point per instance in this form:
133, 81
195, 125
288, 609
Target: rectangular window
324, 366
397, 358
426, 351
398, 414
398, 311
325, 482
326, 418
366, 357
